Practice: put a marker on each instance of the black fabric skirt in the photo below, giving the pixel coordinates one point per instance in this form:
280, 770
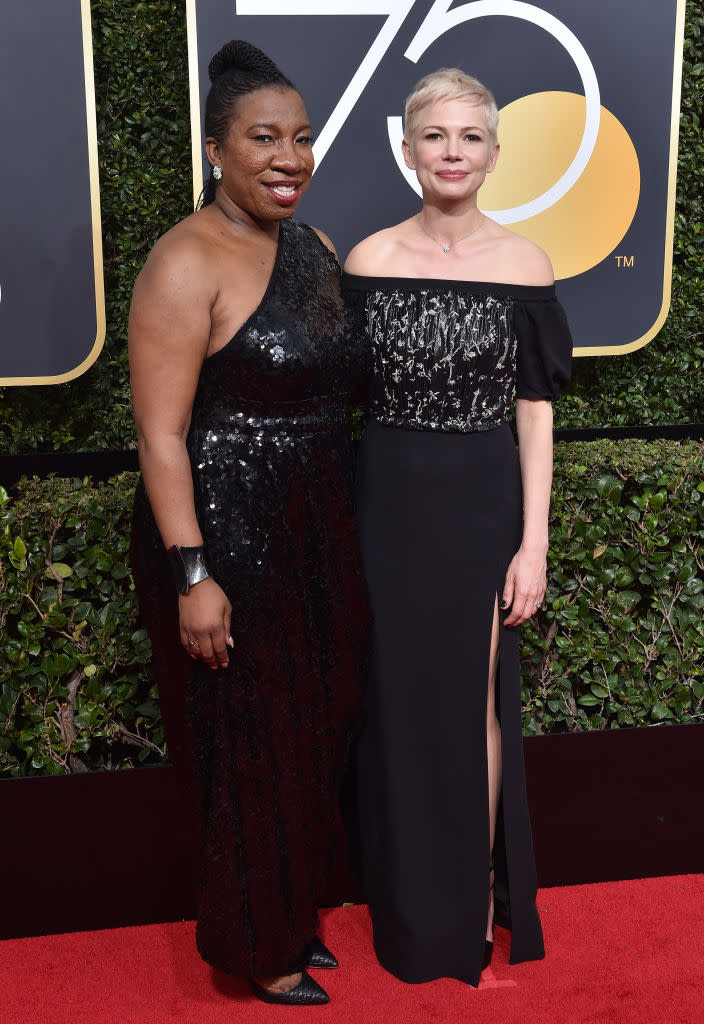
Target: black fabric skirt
268, 737
440, 520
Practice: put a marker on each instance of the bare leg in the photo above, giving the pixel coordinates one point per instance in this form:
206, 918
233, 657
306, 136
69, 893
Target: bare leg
493, 753
284, 983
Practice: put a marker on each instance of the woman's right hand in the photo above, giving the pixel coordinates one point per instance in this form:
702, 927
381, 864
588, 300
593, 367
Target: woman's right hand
204, 616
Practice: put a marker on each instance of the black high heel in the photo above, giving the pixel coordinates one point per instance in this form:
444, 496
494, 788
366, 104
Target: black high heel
306, 993
317, 955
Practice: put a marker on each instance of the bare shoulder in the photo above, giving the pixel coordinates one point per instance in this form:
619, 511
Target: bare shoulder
326, 241
375, 255
176, 288
179, 262
522, 260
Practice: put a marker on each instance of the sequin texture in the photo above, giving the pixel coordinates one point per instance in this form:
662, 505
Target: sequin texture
453, 355
270, 453
443, 359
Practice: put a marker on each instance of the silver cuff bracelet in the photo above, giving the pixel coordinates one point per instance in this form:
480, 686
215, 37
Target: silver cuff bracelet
188, 566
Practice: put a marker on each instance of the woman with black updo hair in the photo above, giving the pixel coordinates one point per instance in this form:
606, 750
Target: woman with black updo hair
244, 548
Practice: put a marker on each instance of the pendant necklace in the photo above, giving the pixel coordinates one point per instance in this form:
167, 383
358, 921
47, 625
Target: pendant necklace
446, 246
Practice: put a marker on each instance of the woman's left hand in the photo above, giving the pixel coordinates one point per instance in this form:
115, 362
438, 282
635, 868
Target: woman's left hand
525, 584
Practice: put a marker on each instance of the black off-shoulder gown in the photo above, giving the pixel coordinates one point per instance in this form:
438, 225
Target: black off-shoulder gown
271, 463
440, 509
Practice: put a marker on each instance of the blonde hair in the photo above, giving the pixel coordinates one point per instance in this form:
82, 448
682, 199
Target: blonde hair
449, 84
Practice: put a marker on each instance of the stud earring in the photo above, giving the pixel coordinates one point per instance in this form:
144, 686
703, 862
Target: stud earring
217, 172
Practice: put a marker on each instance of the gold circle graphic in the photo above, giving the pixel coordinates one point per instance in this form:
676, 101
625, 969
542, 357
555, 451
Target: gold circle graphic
539, 136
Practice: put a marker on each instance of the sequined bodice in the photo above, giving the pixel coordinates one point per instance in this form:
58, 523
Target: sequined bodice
443, 360
291, 359
270, 405
445, 353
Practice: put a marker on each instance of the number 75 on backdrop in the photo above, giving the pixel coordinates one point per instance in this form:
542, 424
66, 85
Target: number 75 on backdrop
589, 101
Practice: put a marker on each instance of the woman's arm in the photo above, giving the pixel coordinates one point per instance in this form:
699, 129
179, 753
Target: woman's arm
526, 577
169, 328
169, 331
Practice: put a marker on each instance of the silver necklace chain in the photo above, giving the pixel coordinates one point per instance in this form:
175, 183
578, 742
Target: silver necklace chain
446, 246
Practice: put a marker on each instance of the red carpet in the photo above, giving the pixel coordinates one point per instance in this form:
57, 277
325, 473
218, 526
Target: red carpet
618, 953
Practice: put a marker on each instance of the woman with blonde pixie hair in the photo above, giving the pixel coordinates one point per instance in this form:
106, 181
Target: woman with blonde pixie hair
446, 84
462, 318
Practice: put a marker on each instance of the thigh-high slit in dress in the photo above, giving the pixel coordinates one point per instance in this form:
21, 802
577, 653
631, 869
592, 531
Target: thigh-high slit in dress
269, 736
440, 511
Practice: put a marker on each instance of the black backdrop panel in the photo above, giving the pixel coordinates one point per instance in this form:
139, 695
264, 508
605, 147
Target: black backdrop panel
116, 848
547, 56
52, 321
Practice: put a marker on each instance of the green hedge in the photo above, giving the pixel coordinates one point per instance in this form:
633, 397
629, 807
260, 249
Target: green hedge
74, 665
620, 640
145, 180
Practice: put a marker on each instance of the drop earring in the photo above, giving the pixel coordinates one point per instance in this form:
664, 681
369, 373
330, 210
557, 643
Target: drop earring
217, 172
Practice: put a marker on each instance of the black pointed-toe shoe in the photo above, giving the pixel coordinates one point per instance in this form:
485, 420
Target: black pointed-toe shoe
318, 955
306, 993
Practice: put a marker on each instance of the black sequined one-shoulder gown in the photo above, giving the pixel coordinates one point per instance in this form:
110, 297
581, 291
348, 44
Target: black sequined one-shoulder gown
269, 447
440, 510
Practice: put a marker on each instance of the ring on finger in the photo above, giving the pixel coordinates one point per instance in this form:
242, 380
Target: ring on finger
193, 643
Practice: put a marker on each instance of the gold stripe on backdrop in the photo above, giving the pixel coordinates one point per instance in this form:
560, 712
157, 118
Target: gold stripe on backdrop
194, 87
616, 350
96, 349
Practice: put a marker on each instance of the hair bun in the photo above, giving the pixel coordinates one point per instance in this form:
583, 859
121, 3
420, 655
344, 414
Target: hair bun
238, 55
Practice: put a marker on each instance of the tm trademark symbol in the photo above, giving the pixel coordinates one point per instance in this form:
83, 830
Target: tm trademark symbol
624, 261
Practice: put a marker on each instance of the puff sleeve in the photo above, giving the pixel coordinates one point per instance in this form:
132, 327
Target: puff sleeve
544, 350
